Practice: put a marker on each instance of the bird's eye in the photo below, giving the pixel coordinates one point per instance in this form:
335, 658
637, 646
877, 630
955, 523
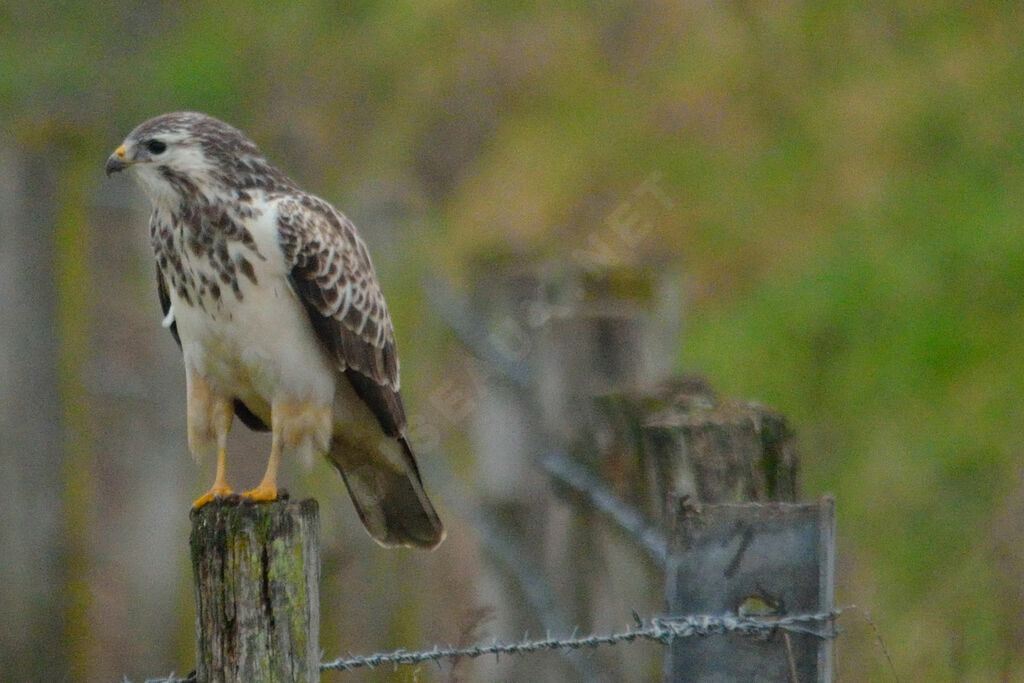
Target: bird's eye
156, 146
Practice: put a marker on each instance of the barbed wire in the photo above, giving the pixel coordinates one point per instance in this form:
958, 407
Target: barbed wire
664, 630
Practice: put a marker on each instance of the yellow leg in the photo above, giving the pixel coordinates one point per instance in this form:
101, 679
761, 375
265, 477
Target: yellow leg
220, 486
296, 424
267, 489
215, 413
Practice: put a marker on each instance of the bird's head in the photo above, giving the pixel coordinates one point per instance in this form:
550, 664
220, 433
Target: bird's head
187, 155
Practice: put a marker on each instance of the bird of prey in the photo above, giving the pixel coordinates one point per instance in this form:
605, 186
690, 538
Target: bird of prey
272, 297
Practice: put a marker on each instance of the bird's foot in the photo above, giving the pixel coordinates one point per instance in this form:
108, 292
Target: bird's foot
215, 492
261, 494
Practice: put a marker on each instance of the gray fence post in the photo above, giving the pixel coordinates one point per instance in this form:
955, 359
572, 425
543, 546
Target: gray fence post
759, 560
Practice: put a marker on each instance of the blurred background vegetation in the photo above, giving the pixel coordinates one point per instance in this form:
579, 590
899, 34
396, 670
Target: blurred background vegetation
846, 180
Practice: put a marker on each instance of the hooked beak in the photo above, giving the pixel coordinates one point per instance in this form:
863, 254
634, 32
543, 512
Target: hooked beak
116, 162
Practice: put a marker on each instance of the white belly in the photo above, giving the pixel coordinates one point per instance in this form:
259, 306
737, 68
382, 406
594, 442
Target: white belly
259, 349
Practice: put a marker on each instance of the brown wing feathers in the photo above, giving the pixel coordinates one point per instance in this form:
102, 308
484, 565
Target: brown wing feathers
333, 276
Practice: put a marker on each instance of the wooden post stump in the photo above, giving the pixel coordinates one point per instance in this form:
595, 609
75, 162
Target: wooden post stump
679, 438
257, 575
720, 450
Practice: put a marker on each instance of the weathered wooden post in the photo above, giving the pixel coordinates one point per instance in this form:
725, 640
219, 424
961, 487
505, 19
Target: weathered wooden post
753, 560
603, 330
720, 476
257, 576
505, 430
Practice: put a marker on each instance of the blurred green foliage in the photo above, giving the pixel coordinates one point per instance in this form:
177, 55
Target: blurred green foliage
846, 179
